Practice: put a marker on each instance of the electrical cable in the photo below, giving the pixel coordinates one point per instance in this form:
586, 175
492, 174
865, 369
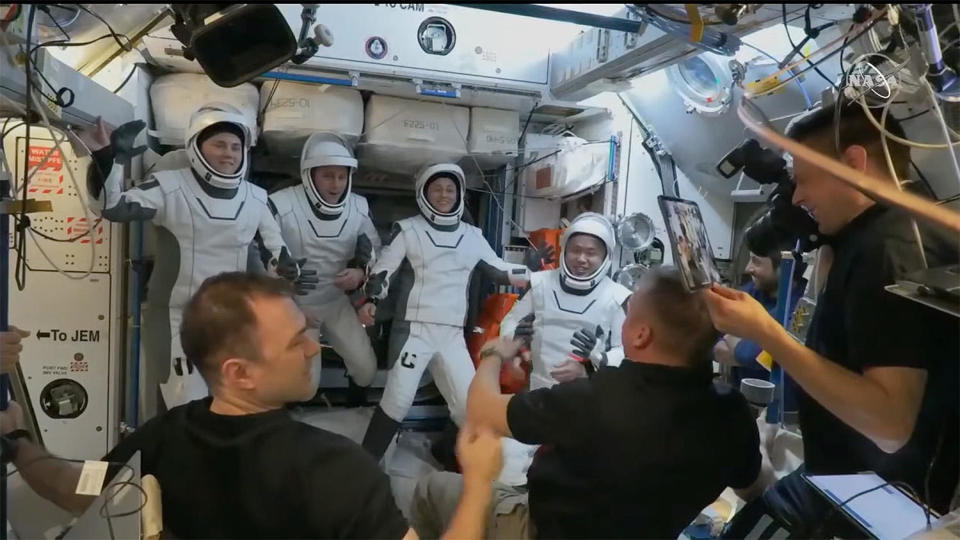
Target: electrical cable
834, 508
46, 9
107, 499
893, 173
24, 223
523, 132
20, 269
943, 128
875, 18
126, 79
806, 96
113, 32
807, 30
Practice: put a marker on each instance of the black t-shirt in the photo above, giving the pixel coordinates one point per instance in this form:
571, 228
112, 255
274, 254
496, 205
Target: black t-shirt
261, 476
635, 452
858, 324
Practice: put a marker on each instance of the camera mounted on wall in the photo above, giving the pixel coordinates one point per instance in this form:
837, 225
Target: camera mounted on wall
235, 43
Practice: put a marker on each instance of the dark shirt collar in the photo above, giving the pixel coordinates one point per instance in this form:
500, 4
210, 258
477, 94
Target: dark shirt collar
668, 375
850, 231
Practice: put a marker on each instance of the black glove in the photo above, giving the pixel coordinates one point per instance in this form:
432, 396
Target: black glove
122, 140
588, 346
524, 330
537, 257
303, 280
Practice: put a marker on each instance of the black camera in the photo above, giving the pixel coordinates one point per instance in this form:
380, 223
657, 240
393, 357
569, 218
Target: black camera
783, 224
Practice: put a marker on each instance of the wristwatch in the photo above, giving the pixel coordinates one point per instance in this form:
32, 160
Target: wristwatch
10, 444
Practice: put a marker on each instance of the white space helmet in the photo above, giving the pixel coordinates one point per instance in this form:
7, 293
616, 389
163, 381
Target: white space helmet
428, 211
324, 149
595, 225
205, 117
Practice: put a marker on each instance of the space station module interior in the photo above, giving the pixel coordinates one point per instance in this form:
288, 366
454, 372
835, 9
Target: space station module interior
545, 123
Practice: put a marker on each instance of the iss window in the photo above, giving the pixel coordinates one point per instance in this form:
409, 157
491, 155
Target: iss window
436, 36
704, 82
700, 78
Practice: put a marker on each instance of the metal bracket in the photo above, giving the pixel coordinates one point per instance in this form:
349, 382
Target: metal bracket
437, 89
32, 206
603, 45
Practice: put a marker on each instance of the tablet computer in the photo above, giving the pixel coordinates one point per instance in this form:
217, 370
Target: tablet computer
881, 510
692, 252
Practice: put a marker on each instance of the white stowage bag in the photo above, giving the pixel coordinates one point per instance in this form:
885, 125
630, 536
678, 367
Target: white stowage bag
403, 135
175, 97
494, 135
577, 166
295, 110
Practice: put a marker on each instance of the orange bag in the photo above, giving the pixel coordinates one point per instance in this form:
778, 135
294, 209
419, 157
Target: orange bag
495, 308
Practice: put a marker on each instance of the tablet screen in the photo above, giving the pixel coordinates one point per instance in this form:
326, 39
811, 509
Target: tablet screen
692, 253
884, 513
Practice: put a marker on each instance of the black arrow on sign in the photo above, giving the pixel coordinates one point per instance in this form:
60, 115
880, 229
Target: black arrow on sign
42, 335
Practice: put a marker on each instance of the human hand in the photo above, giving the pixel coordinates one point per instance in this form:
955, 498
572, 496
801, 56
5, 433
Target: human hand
519, 367
479, 454
524, 330
588, 345
506, 349
367, 313
736, 312
123, 138
10, 348
535, 258
12, 418
569, 371
349, 279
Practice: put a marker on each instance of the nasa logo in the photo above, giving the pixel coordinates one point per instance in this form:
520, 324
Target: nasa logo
376, 47
867, 78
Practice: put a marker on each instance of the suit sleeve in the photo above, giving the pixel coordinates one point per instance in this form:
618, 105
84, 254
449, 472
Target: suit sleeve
105, 185
498, 270
269, 240
391, 256
521, 308
615, 353
368, 244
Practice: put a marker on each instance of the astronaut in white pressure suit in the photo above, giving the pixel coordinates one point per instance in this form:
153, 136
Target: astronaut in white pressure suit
571, 319
206, 217
330, 227
435, 253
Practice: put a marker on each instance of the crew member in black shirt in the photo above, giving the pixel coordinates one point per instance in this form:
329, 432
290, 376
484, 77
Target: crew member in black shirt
636, 451
879, 372
236, 465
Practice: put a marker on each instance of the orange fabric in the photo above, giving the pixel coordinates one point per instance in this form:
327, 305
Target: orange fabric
495, 308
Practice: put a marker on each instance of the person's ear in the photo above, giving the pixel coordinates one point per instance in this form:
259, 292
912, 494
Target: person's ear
237, 373
642, 337
855, 156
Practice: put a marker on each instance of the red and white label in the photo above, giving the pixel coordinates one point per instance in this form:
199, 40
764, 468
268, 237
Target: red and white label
77, 226
48, 180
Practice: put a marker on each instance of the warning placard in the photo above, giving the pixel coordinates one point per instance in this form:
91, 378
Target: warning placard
48, 180
75, 226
